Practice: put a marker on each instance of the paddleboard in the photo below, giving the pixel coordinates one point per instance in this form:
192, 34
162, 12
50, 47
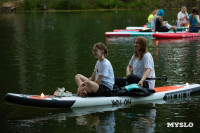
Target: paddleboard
51, 101
135, 28
135, 33
175, 35
128, 33
118, 30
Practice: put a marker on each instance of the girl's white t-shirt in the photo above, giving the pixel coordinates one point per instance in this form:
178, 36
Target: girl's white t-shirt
105, 69
140, 65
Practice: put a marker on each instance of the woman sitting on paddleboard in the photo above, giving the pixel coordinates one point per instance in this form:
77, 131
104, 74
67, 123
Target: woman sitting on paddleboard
141, 64
160, 25
194, 20
102, 80
182, 17
152, 16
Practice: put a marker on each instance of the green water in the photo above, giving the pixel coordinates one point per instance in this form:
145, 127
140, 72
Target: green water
42, 51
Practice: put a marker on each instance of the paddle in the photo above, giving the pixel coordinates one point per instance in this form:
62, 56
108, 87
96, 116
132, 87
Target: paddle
158, 78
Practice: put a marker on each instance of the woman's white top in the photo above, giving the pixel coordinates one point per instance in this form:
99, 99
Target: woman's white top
139, 67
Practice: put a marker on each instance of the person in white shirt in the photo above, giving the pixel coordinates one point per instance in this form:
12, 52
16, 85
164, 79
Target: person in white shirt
141, 64
182, 17
102, 79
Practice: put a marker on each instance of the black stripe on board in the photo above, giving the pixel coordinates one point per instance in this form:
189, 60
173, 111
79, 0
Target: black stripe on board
38, 102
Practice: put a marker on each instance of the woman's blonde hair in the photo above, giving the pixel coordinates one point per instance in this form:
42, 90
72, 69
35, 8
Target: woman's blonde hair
142, 41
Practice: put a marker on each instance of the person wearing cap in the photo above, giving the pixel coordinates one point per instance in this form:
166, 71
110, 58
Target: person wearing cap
160, 25
182, 17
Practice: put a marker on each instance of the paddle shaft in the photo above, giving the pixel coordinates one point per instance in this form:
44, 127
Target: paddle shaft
158, 78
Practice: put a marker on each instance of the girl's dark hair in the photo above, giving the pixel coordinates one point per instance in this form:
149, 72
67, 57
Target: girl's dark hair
102, 47
143, 47
195, 10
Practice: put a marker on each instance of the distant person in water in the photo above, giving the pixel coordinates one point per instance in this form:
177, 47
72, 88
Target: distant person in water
141, 64
102, 79
151, 17
182, 17
194, 20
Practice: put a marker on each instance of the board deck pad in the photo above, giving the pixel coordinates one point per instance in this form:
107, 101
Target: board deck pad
167, 88
39, 97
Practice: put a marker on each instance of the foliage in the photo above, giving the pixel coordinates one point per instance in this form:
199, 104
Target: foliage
99, 4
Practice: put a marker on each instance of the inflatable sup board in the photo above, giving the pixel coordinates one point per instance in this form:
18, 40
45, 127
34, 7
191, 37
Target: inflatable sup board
51, 101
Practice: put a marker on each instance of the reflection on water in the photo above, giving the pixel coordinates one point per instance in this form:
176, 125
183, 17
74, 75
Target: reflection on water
102, 124
98, 119
139, 117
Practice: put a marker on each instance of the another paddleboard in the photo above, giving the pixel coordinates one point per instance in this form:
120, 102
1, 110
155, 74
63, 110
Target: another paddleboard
175, 35
135, 33
135, 28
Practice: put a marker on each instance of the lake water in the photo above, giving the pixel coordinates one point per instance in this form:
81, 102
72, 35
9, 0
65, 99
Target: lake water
42, 51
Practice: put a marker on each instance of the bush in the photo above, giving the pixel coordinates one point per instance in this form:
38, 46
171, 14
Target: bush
33, 4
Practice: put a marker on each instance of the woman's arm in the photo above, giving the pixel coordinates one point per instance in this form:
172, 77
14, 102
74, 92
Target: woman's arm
197, 17
161, 21
182, 18
92, 78
186, 18
99, 79
128, 70
146, 74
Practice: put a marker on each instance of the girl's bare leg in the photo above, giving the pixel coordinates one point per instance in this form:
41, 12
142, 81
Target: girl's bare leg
91, 87
80, 79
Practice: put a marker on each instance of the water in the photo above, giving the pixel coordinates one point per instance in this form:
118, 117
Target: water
42, 51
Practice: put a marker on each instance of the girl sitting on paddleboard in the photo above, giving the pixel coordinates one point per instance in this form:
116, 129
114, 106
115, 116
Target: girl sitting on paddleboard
152, 16
160, 25
141, 64
102, 79
194, 20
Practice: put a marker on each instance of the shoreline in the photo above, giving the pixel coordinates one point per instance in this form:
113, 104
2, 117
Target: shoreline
80, 10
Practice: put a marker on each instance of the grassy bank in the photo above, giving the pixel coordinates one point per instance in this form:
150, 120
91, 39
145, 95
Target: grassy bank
31, 5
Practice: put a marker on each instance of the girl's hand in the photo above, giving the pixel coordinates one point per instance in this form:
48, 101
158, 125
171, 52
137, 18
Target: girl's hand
141, 83
128, 73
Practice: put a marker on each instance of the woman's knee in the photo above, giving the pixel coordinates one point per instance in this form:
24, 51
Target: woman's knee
183, 24
78, 76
